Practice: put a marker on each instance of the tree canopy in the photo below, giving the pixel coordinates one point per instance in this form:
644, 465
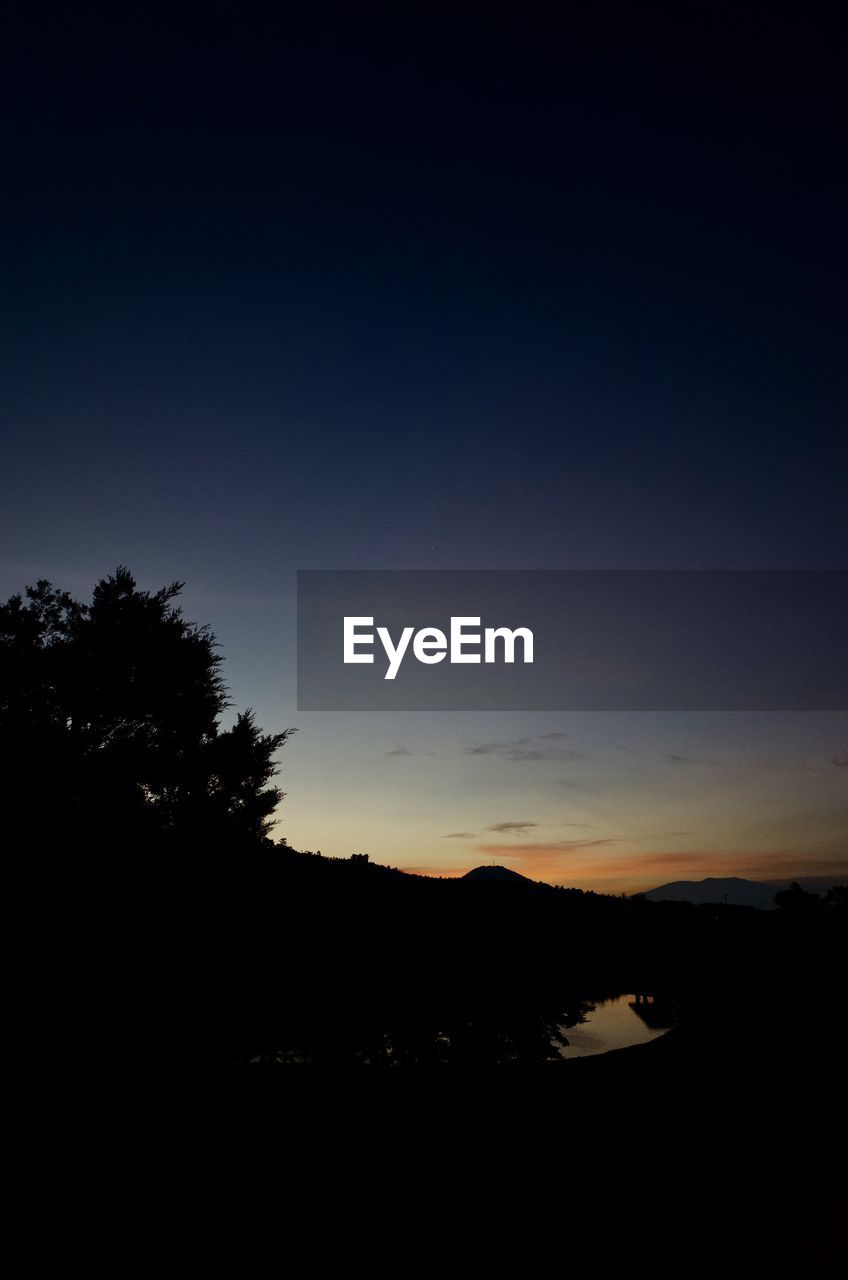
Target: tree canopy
110, 722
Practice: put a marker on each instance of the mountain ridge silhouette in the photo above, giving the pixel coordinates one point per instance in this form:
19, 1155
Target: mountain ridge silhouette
733, 890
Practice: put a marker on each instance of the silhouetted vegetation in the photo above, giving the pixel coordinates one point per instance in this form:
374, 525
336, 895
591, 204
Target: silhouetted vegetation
110, 723
350, 961
124, 790
796, 899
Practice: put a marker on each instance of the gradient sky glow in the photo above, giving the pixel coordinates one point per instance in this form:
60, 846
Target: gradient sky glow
442, 294
600, 800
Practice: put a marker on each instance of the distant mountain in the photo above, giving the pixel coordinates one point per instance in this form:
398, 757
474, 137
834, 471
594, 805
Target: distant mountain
501, 875
729, 889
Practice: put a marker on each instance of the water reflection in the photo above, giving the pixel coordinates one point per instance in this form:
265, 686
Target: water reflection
507, 1032
617, 1022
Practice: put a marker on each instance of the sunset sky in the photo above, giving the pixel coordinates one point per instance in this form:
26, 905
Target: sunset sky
599, 800
457, 295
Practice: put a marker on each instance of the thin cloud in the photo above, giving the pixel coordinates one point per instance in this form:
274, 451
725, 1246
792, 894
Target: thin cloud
512, 828
545, 753
494, 748
544, 848
672, 758
663, 835
459, 835
840, 760
524, 750
797, 768
405, 751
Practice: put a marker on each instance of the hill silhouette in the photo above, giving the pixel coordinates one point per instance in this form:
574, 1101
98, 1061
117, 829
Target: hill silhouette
732, 890
497, 875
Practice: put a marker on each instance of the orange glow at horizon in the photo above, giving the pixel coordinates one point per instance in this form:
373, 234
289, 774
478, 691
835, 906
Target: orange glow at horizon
566, 864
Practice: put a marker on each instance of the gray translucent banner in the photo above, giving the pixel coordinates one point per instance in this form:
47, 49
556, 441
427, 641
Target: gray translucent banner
612, 640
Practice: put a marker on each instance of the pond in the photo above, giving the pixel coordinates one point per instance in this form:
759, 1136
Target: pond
617, 1022
498, 1031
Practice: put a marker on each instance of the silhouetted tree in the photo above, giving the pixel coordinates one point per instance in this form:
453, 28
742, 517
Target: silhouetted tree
795, 898
110, 723
836, 899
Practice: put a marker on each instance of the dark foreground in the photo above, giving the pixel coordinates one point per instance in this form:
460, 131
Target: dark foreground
721, 1145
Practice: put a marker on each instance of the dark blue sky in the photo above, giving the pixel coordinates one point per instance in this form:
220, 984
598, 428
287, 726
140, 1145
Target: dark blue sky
437, 290
431, 288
